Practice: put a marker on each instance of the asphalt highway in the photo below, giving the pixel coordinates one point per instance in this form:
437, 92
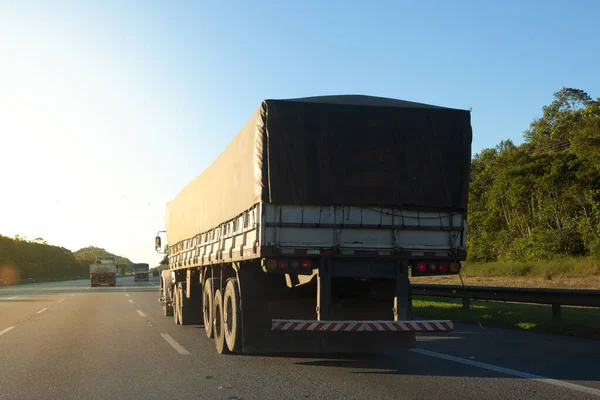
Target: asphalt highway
65, 340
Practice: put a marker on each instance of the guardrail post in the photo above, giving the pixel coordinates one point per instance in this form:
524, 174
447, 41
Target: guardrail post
556, 313
466, 304
409, 310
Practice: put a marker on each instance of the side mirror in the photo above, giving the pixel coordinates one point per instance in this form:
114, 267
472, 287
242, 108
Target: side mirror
158, 245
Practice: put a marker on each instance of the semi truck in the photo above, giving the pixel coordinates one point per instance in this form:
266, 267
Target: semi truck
141, 272
302, 234
103, 271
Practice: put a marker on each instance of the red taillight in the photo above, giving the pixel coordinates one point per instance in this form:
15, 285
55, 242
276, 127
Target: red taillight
306, 264
93, 275
454, 268
110, 274
443, 268
422, 267
327, 252
283, 264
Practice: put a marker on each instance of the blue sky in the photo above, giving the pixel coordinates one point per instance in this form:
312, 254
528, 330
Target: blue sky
108, 109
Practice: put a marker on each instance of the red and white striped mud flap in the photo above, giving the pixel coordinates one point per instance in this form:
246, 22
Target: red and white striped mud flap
362, 326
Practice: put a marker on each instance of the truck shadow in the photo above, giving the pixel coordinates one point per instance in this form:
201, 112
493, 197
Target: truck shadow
405, 362
471, 346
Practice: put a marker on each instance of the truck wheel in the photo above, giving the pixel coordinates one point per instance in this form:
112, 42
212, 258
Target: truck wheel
219, 324
208, 294
184, 313
167, 311
232, 316
175, 302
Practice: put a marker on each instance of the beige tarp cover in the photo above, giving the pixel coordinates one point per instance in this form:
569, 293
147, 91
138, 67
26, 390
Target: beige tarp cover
332, 150
230, 185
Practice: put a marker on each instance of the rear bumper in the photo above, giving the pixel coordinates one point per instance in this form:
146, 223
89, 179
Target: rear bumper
362, 326
108, 282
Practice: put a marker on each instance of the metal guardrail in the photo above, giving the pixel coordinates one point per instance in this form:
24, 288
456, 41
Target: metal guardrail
555, 297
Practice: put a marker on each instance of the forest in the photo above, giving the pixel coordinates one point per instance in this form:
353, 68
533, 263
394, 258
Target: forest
540, 199
23, 259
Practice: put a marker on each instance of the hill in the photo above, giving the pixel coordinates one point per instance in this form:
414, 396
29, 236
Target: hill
21, 258
87, 256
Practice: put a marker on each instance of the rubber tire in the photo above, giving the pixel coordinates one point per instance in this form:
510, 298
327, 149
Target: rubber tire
175, 302
167, 311
208, 296
185, 316
219, 324
233, 320
179, 291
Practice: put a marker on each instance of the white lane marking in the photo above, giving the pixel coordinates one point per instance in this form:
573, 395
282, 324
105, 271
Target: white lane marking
126, 295
141, 313
508, 371
12, 298
131, 301
73, 294
61, 300
179, 348
10, 328
42, 310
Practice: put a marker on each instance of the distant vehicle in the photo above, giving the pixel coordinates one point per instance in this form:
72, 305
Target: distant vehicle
103, 271
141, 272
302, 233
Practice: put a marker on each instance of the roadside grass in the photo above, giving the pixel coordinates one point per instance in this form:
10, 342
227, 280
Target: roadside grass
581, 322
562, 267
562, 272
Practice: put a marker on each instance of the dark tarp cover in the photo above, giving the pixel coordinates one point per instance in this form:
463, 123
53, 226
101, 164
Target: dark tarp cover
332, 150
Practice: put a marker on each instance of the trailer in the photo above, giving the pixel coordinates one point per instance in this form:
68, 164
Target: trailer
141, 272
103, 271
301, 236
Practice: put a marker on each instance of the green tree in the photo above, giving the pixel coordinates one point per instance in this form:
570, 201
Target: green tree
542, 198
